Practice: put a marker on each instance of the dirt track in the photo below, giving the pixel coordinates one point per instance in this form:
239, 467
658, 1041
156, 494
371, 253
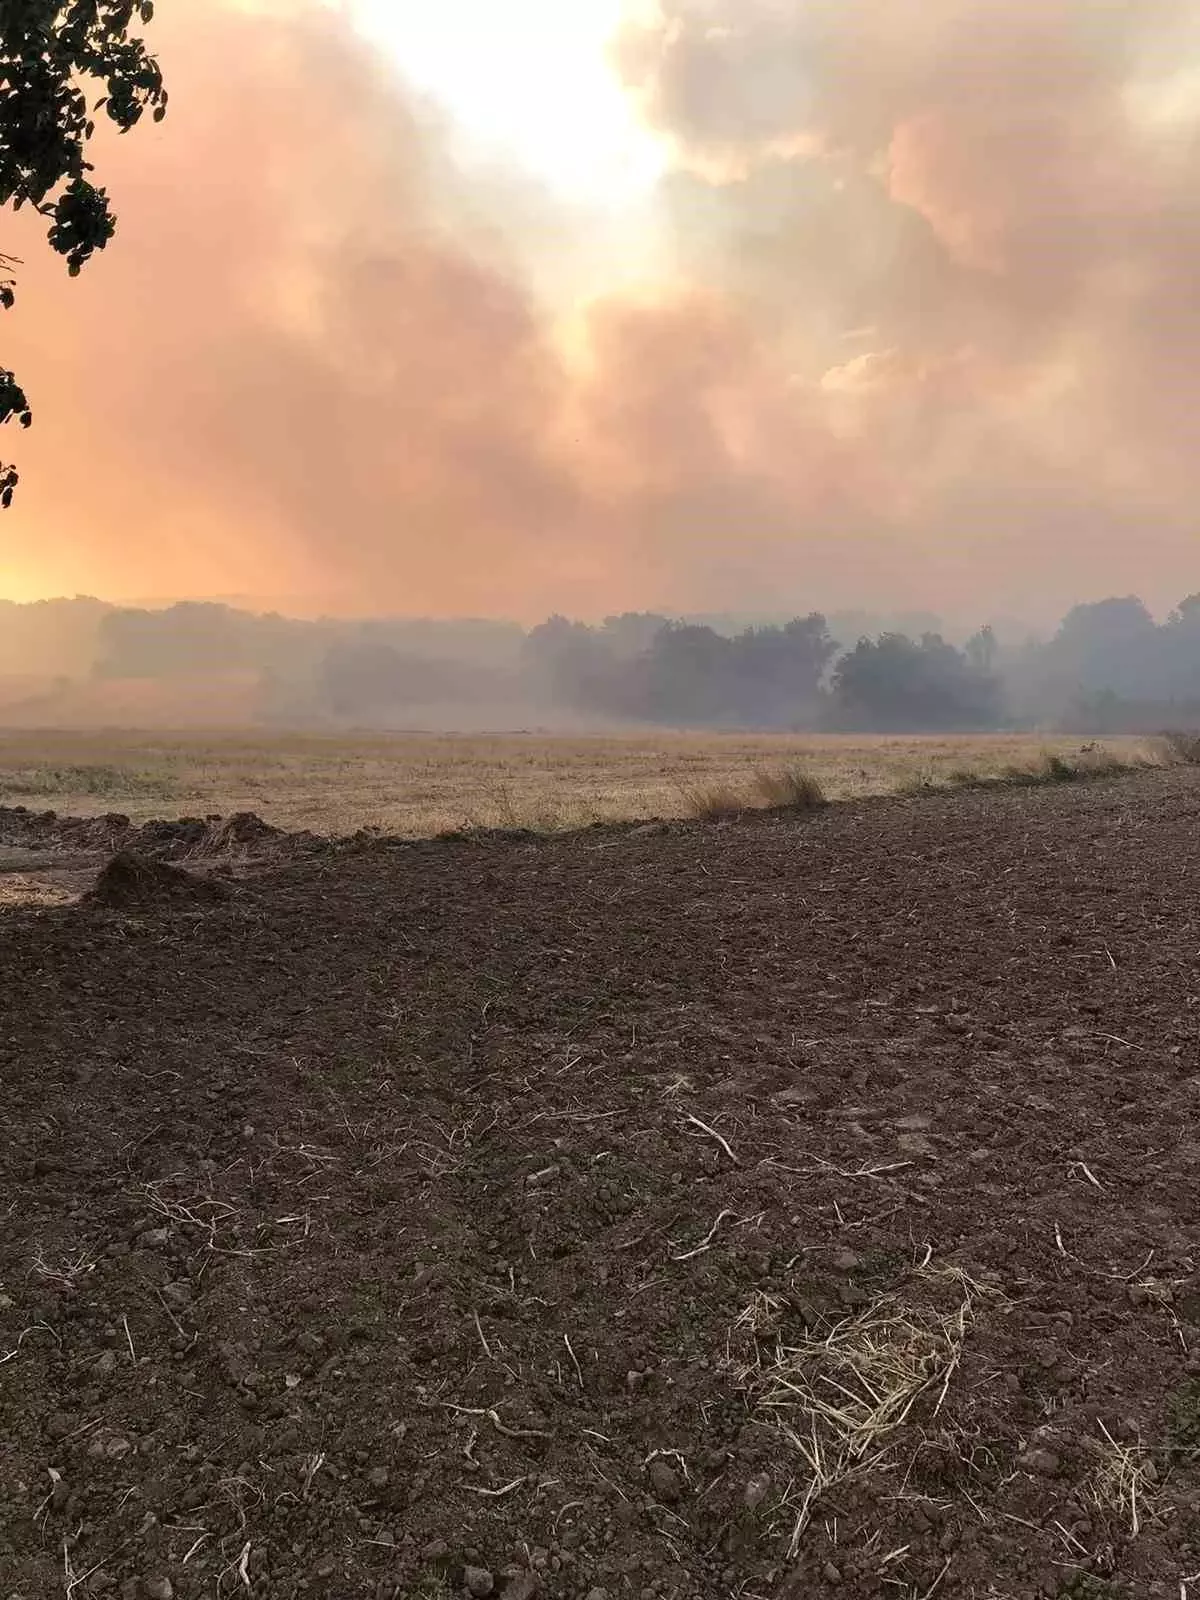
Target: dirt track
795, 1208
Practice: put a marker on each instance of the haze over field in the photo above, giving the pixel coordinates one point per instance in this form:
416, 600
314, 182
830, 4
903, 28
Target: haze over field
696, 306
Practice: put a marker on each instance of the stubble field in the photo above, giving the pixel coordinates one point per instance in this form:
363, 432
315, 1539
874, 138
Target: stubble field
415, 785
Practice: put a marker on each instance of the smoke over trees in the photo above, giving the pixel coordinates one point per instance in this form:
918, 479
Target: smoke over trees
1109, 667
646, 668
896, 684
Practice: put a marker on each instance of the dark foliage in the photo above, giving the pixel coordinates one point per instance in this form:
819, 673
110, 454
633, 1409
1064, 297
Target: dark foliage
642, 666
897, 684
61, 64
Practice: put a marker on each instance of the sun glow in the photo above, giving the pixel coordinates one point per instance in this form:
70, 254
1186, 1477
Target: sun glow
529, 81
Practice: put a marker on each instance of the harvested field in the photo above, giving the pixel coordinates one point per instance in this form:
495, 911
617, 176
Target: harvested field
798, 1207
416, 785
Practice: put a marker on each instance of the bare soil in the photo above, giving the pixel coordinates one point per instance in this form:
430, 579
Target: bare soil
798, 1207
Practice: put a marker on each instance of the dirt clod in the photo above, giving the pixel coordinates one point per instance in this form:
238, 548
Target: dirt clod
756, 1491
916, 1144
1044, 1462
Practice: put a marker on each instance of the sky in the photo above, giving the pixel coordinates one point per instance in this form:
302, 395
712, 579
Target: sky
534, 87
499, 307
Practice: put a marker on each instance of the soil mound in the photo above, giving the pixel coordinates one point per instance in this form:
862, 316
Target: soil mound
46, 830
243, 831
131, 880
242, 836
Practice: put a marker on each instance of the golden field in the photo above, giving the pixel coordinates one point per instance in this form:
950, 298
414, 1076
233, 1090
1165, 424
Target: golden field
422, 784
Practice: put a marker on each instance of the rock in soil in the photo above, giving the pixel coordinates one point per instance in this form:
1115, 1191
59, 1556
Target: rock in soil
523, 1587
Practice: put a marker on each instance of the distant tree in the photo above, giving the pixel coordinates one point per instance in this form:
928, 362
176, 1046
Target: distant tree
61, 61
1108, 644
572, 663
981, 649
686, 673
895, 683
1180, 650
685, 676
190, 637
632, 633
777, 672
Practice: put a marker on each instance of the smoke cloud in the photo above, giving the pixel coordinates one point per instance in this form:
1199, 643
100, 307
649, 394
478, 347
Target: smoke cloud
1003, 199
929, 334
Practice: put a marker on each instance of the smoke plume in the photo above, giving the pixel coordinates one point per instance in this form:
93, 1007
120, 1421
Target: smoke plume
1001, 202
929, 336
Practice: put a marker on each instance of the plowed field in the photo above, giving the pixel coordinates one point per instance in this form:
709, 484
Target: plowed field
800, 1207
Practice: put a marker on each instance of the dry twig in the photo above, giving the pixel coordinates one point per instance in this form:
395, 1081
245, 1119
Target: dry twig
574, 1358
712, 1134
494, 1494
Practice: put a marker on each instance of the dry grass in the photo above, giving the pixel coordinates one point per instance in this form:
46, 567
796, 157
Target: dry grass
714, 801
778, 789
1124, 1481
1090, 763
841, 1395
420, 784
789, 789
1178, 748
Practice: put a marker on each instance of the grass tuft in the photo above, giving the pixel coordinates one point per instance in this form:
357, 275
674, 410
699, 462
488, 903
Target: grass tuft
1056, 769
1087, 764
917, 785
714, 802
1091, 763
1178, 747
789, 789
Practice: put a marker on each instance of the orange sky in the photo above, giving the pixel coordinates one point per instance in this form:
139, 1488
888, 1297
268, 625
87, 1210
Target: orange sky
913, 322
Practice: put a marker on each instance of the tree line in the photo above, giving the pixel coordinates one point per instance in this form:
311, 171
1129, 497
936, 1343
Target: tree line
790, 675
1108, 667
636, 667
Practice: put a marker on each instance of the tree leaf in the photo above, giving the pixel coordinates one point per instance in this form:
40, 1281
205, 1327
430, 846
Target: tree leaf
53, 55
